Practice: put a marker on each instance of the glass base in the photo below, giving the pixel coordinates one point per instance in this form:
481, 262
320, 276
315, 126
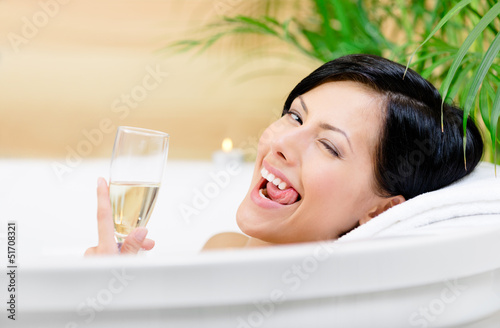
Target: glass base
120, 238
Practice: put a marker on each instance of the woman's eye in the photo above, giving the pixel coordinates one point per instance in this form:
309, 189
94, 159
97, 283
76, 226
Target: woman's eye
295, 117
330, 148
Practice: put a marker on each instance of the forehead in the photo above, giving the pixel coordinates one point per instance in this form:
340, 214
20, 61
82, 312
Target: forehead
350, 106
352, 95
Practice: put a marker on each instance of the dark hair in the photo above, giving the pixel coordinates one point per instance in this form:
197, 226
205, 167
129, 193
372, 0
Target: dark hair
413, 155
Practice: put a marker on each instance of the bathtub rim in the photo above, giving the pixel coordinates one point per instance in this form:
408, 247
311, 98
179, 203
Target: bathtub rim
339, 264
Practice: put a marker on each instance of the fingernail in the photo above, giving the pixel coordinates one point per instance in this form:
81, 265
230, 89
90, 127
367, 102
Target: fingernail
99, 181
140, 233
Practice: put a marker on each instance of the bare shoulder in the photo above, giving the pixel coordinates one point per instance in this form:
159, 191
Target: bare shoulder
226, 240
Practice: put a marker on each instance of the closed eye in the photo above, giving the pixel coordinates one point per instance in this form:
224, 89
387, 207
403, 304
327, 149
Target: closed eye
330, 148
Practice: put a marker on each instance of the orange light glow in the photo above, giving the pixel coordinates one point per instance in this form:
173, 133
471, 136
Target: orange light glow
227, 145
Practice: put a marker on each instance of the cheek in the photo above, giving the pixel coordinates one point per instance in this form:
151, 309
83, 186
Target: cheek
325, 195
331, 207
331, 188
326, 211
322, 174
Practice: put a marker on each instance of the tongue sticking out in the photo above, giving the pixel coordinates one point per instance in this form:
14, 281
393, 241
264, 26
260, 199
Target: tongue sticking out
284, 197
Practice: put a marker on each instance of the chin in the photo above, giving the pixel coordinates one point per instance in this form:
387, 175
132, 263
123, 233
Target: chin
249, 227
243, 222
258, 230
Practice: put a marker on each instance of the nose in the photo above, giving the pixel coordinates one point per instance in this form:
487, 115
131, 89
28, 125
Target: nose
289, 144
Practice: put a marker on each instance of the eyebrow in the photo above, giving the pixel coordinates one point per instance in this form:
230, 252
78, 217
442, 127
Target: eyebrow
303, 104
327, 126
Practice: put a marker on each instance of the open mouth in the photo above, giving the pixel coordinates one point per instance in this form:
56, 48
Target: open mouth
276, 190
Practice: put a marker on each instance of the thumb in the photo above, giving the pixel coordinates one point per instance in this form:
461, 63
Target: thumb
133, 242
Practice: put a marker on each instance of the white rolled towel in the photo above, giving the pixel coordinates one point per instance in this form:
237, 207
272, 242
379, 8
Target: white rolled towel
477, 197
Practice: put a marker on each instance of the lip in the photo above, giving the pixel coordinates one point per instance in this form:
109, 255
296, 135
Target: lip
267, 203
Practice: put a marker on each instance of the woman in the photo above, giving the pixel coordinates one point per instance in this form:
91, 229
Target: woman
356, 137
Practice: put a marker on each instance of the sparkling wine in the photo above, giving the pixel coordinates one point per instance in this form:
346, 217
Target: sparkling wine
132, 204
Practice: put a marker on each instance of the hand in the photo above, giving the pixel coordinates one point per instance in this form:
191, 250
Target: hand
134, 242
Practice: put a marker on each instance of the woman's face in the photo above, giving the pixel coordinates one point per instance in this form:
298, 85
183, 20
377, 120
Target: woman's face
319, 158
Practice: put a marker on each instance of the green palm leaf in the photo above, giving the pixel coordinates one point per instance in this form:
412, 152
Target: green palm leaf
495, 114
443, 21
255, 25
481, 73
473, 35
478, 80
461, 78
484, 104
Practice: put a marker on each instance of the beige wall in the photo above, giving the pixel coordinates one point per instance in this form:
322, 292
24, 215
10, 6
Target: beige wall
70, 74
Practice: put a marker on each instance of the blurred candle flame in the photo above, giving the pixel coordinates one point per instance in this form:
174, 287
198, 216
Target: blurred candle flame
227, 145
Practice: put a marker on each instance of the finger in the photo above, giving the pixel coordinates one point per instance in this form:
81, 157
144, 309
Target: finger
133, 242
148, 244
105, 226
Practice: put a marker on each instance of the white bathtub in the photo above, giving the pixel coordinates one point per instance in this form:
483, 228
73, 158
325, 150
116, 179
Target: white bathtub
445, 280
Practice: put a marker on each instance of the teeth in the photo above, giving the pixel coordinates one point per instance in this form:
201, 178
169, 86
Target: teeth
262, 195
272, 178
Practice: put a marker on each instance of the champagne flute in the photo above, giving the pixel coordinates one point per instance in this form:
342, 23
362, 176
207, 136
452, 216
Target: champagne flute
139, 156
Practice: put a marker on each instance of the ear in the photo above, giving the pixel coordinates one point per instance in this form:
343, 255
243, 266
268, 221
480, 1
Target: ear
383, 205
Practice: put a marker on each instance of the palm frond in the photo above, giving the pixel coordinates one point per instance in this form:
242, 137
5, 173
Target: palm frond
473, 35
443, 21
